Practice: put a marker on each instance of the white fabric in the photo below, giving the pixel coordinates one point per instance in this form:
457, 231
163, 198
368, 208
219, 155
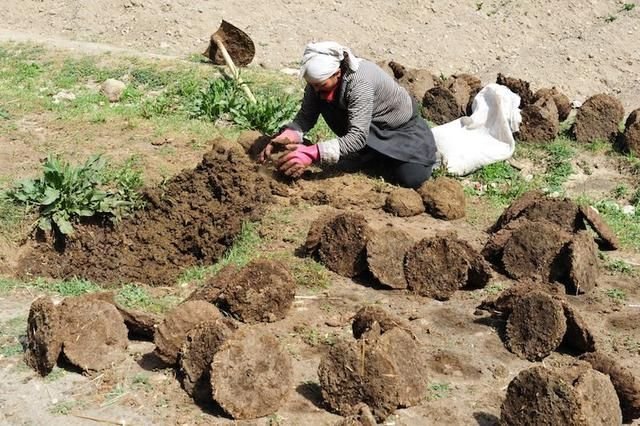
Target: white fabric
468, 143
321, 60
329, 151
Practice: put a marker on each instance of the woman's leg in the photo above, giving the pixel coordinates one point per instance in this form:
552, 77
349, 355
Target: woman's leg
411, 175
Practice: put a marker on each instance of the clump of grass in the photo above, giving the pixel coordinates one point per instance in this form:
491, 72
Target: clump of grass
136, 297
501, 182
616, 294
559, 168
618, 266
65, 288
312, 337
438, 391
625, 226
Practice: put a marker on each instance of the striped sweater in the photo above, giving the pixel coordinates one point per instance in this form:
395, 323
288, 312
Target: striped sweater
365, 96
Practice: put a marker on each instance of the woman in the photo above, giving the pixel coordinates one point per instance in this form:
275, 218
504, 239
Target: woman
375, 120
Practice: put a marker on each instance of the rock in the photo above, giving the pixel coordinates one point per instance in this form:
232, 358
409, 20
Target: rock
113, 89
172, 332
598, 119
631, 137
563, 103
609, 240
343, 244
517, 86
367, 316
44, 336
404, 202
385, 256
539, 121
251, 374
63, 95
443, 198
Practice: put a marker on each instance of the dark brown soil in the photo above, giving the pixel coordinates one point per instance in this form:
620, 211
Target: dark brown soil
561, 211
262, 291
440, 106
578, 338
94, 335
536, 326
312, 243
44, 336
475, 85
626, 385
443, 198
461, 92
253, 142
367, 316
562, 101
539, 121
532, 250
189, 221
343, 244
398, 69
417, 82
583, 263
436, 267
141, 325
171, 333
519, 87
608, 239
363, 418
214, 286
507, 299
251, 374
631, 139
404, 202
598, 119
385, 374
480, 271
539, 396
237, 43
516, 208
385, 256
494, 247
196, 355
600, 404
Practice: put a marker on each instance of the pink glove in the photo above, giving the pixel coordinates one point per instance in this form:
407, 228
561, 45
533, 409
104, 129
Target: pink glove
293, 135
296, 161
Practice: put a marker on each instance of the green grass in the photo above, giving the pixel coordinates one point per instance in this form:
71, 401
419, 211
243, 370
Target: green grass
11, 217
558, 167
616, 294
438, 391
56, 374
626, 227
315, 338
63, 408
135, 297
10, 332
501, 183
617, 266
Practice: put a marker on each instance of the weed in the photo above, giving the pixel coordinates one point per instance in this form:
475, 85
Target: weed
559, 166
4, 114
315, 338
620, 191
310, 274
275, 420
610, 18
66, 288
116, 393
222, 96
63, 408
625, 226
135, 297
617, 266
320, 132
10, 332
11, 215
494, 288
479, 5
11, 350
500, 182
628, 7
616, 294
56, 374
270, 112
438, 391
141, 380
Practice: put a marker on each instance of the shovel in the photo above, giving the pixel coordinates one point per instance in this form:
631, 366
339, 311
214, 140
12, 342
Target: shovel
230, 45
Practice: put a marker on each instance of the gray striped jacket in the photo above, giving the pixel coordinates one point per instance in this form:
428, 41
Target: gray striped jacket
365, 96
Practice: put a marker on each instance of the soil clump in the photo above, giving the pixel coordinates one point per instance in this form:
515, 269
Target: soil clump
598, 119
404, 202
443, 198
385, 256
343, 241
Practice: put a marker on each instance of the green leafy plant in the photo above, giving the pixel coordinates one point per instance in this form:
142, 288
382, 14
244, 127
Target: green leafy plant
66, 193
616, 294
628, 7
222, 96
270, 112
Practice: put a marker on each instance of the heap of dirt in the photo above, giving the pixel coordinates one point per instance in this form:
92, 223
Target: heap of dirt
519, 87
398, 70
141, 325
515, 209
475, 85
251, 374
189, 221
262, 291
539, 121
560, 211
375, 318
404, 202
94, 337
626, 385
608, 240
253, 142
44, 336
598, 119
437, 267
196, 355
385, 256
343, 241
443, 198
631, 137
446, 101
582, 253
312, 243
385, 373
417, 82
172, 332
536, 326
576, 396
562, 101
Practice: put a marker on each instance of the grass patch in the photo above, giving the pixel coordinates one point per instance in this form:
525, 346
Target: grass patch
65, 288
616, 294
10, 332
135, 297
310, 274
617, 266
625, 226
56, 374
315, 338
63, 408
500, 182
12, 217
438, 391
559, 168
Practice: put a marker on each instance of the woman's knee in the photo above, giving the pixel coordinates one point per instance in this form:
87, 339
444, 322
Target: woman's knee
412, 175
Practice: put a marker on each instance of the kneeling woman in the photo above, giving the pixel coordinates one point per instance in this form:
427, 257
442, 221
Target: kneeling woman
376, 121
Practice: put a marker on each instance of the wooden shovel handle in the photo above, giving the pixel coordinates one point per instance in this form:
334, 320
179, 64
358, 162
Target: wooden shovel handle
232, 67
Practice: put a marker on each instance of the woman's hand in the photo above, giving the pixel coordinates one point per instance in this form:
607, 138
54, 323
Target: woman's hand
287, 137
299, 157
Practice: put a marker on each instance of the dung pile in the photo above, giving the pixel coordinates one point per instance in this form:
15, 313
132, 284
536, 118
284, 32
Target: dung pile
383, 369
404, 202
449, 99
598, 119
545, 239
385, 256
574, 395
631, 136
443, 198
189, 221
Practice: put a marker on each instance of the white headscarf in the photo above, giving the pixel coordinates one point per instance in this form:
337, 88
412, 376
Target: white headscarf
321, 60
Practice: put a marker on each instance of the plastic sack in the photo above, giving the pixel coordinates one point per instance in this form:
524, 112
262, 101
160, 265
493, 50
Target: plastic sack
469, 143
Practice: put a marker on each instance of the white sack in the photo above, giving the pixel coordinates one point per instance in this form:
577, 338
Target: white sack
468, 143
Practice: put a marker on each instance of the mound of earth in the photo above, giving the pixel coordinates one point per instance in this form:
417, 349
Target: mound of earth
560, 211
94, 336
631, 137
189, 221
385, 256
343, 242
404, 202
312, 243
437, 267
475, 85
417, 82
375, 318
141, 325
562, 101
575, 396
446, 101
384, 373
539, 121
536, 326
443, 198
516, 208
626, 385
519, 87
44, 336
608, 240
582, 255
251, 374
598, 119
262, 291
172, 332
253, 142
196, 355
